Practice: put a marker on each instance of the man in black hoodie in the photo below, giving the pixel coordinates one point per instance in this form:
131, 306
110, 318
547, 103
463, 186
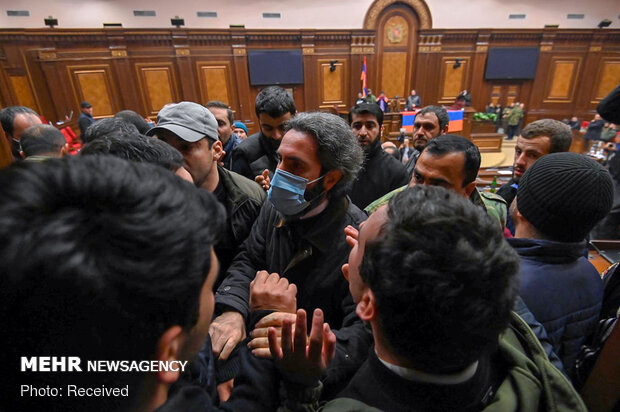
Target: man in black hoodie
255, 157
380, 173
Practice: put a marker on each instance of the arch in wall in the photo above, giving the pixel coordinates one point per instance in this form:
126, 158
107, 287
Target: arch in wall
419, 7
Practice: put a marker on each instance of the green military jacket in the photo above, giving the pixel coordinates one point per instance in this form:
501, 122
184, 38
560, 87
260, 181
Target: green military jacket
532, 382
494, 205
514, 116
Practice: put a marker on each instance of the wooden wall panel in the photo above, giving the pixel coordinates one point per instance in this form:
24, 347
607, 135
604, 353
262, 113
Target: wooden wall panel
562, 79
608, 78
394, 74
333, 85
453, 80
216, 82
396, 52
142, 70
158, 85
23, 92
93, 84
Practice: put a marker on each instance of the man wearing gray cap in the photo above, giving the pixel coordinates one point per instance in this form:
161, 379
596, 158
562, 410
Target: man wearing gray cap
192, 129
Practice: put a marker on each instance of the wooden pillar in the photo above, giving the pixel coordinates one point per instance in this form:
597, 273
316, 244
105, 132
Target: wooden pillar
240, 62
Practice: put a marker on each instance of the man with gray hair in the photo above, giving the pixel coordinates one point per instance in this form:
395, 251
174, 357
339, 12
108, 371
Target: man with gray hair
299, 235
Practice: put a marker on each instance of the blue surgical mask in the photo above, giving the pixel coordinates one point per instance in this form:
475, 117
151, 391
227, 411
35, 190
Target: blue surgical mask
287, 192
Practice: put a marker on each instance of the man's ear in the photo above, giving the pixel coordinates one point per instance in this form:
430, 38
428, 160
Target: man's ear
22, 154
470, 188
168, 348
445, 129
367, 307
331, 178
217, 149
65, 150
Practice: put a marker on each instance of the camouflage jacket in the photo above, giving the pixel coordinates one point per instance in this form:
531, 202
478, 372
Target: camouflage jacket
494, 204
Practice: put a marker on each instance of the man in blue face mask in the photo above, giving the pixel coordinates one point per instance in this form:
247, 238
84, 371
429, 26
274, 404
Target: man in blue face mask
299, 235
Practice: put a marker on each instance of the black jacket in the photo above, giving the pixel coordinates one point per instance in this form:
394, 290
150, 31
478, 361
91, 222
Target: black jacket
243, 201
84, 120
253, 155
594, 130
309, 253
377, 386
380, 174
256, 388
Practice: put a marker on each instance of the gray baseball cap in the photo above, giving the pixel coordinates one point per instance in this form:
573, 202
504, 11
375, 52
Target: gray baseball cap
188, 120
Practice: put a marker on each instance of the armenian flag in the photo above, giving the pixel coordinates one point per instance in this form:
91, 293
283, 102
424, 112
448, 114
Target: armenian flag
455, 125
363, 79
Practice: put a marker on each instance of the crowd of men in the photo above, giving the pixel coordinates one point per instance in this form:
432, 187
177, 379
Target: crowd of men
301, 268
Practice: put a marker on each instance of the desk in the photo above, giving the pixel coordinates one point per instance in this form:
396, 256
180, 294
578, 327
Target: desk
599, 262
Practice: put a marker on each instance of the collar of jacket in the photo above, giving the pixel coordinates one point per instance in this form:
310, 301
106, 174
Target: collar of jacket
476, 199
233, 142
547, 250
233, 192
318, 229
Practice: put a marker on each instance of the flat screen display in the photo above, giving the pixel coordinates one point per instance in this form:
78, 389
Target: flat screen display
269, 67
511, 63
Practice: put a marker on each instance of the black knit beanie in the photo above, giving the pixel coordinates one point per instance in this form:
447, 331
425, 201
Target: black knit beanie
564, 195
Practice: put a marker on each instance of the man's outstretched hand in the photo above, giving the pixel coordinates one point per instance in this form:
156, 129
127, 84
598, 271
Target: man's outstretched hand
302, 360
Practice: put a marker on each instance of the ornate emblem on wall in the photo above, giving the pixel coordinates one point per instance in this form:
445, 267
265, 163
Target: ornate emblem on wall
396, 31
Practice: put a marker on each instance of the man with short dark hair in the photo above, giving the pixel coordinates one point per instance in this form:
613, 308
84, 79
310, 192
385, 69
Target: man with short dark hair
110, 126
14, 120
43, 141
225, 119
256, 158
192, 129
85, 119
437, 282
380, 173
452, 162
537, 139
134, 118
560, 199
139, 149
430, 122
299, 235
111, 261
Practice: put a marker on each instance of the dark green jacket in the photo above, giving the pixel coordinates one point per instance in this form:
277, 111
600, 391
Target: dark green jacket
532, 383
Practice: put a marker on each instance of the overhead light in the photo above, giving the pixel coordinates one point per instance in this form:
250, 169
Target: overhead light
177, 21
144, 13
18, 13
604, 23
51, 22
